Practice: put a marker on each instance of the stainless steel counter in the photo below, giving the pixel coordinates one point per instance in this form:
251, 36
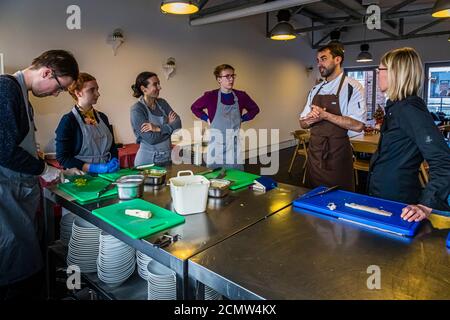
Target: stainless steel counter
223, 219
293, 255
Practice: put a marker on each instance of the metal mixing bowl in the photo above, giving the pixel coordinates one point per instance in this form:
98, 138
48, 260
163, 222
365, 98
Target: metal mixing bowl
130, 187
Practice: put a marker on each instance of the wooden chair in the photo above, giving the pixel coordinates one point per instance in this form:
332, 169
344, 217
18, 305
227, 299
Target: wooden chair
301, 149
423, 174
445, 129
361, 164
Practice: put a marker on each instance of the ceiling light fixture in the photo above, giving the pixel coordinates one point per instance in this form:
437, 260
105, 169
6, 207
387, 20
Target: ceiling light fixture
441, 9
179, 7
283, 30
364, 55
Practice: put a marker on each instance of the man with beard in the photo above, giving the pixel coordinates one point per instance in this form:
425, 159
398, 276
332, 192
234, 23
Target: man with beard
334, 110
21, 261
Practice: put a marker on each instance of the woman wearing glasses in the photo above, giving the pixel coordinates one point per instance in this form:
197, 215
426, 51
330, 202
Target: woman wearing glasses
408, 136
225, 113
153, 121
84, 138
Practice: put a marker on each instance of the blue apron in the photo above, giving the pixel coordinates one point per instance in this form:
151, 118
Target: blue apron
224, 148
20, 254
158, 153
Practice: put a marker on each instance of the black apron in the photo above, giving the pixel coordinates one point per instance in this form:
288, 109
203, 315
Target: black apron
20, 254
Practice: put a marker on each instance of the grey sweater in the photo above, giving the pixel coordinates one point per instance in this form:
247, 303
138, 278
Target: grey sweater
139, 116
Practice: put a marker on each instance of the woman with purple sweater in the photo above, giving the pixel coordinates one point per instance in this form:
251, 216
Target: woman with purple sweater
225, 113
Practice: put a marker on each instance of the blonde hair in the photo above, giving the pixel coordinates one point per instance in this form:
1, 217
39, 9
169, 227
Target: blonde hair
404, 73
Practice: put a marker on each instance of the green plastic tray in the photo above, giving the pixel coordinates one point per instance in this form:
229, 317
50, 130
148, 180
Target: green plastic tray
241, 179
88, 192
134, 227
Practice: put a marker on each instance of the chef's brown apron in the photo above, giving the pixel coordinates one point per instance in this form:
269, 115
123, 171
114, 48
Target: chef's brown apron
330, 157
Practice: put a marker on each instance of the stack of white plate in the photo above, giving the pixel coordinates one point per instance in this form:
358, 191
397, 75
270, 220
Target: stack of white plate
162, 282
83, 245
116, 260
142, 263
65, 228
211, 294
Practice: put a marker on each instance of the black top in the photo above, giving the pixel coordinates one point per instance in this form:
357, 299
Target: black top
69, 140
14, 128
408, 136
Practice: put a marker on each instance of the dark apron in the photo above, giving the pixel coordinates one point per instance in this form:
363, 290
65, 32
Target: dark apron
330, 157
20, 254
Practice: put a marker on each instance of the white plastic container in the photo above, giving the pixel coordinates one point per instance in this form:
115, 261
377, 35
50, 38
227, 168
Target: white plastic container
189, 192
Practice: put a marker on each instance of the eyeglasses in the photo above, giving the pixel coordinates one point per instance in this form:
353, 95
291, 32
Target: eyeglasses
60, 87
229, 76
380, 69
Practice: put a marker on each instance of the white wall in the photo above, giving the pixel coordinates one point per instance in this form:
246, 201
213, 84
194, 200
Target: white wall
273, 73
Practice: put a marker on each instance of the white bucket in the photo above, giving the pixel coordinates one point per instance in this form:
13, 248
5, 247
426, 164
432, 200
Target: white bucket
189, 193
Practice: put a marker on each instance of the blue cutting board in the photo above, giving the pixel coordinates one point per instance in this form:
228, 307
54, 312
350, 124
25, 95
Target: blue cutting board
394, 223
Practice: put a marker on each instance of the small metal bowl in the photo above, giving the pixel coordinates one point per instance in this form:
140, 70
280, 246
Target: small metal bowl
154, 177
219, 188
130, 187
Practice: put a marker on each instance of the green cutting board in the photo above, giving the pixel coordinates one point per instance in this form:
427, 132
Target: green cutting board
134, 227
241, 179
89, 191
124, 172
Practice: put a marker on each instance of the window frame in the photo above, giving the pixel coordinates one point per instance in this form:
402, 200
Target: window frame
374, 84
427, 66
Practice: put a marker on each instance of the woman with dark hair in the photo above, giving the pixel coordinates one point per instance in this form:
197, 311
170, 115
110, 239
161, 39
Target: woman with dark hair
225, 107
153, 121
408, 136
84, 139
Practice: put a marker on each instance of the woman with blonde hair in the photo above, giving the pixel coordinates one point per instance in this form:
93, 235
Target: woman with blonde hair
408, 137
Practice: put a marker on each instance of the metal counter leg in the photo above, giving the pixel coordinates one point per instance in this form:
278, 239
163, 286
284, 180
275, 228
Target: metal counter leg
49, 237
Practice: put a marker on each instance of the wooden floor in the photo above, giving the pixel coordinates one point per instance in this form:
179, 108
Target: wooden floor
296, 175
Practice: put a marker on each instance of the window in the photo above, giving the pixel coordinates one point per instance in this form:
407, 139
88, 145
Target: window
2, 70
367, 76
437, 88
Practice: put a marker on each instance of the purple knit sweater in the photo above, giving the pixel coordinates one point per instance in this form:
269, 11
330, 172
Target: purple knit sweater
209, 101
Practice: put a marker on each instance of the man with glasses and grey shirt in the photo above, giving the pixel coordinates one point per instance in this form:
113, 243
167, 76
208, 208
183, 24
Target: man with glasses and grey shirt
20, 255
335, 109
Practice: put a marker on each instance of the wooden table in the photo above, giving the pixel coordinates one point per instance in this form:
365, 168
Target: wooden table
372, 138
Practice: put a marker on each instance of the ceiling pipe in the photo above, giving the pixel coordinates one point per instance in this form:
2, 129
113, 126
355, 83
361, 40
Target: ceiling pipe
249, 11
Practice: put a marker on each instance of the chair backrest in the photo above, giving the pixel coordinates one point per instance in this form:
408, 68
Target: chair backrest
302, 135
365, 147
445, 129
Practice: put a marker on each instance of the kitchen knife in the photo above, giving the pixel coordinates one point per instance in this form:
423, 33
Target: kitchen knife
143, 166
320, 193
222, 174
106, 189
209, 171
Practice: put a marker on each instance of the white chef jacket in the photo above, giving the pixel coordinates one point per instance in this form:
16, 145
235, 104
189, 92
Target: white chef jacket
355, 108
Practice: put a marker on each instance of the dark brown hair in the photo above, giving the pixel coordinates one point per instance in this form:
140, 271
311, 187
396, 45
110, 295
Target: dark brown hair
141, 80
62, 62
336, 50
78, 85
218, 70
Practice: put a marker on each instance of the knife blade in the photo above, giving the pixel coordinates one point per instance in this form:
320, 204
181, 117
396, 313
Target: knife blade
222, 174
143, 166
320, 193
106, 189
209, 171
